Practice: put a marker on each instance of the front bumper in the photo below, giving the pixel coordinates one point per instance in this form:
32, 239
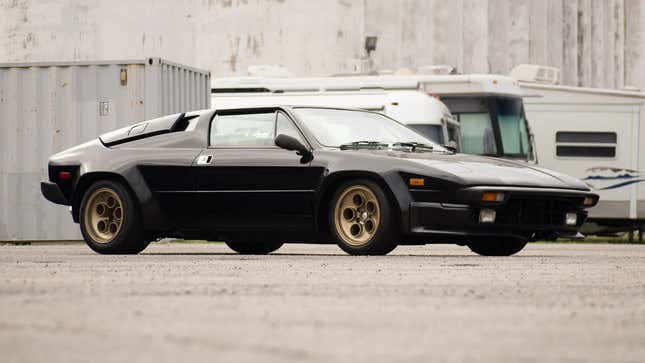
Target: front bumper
52, 193
526, 213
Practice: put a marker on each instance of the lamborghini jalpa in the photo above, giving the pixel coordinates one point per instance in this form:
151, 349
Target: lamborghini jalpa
256, 178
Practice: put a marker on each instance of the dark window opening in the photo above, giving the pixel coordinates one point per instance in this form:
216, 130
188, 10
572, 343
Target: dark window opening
586, 137
587, 151
586, 144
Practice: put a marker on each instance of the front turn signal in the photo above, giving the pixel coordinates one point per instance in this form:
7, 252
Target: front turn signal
589, 201
417, 182
492, 197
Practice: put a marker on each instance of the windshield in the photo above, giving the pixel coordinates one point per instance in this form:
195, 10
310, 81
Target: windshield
333, 127
492, 126
477, 134
512, 127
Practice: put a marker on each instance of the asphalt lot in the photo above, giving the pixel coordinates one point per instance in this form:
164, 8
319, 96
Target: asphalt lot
199, 302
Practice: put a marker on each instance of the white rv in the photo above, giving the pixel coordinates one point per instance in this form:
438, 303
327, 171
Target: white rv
488, 107
419, 111
597, 135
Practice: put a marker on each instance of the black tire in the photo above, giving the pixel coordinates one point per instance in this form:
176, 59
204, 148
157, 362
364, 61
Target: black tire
384, 237
497, 246
253, 247
130, 238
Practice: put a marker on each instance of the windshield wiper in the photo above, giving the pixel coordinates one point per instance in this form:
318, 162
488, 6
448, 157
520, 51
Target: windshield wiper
363, 145
413, 145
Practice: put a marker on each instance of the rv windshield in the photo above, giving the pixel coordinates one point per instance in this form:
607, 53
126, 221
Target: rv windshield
477, 135
512, 127
492, 125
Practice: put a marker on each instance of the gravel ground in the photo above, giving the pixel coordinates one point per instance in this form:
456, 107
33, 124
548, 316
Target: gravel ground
199, 302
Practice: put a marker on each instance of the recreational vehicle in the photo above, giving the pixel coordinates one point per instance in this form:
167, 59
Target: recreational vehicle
594, 134
488, 108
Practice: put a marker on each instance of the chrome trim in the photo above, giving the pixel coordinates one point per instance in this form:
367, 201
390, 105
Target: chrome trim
454, 206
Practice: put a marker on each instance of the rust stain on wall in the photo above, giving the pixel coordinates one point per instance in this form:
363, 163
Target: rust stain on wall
224, 3
227, 3
254, 43
234, 45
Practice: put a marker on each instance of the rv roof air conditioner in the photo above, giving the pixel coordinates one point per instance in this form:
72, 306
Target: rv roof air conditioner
536, 74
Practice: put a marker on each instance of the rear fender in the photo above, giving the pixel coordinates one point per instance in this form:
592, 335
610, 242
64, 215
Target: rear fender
152, 217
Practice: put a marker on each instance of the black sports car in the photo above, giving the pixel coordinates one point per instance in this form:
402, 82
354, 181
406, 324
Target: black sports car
259, 177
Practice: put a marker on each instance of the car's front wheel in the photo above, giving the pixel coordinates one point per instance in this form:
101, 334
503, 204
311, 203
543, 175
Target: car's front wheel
253, 247
497, 246
361, 219
110, 220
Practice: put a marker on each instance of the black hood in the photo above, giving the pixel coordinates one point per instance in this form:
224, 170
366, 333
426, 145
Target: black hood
480, 170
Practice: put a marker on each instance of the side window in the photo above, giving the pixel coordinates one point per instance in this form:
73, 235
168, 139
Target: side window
286, 127
243, 130
585, 144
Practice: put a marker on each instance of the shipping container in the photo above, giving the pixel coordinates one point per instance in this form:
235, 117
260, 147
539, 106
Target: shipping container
47, 107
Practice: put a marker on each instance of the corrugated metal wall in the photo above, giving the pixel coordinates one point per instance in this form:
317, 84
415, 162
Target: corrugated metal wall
599, 43
183, 88
46, 108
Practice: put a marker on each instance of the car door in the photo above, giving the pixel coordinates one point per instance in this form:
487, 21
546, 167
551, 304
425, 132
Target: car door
246, 182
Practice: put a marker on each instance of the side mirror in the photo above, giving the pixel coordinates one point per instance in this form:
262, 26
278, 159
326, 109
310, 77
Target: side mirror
451, 146
289, 143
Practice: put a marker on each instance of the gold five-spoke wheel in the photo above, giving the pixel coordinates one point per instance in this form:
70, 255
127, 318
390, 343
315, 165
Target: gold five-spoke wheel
104, 215
356, 215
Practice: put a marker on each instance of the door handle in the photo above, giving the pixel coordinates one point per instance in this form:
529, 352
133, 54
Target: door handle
204, 159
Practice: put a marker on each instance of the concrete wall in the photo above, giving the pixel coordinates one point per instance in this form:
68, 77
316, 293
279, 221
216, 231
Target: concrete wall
599, 43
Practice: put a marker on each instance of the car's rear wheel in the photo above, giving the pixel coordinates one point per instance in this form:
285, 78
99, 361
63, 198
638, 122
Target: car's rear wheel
361, 219
497, 246
110, 220
253, 247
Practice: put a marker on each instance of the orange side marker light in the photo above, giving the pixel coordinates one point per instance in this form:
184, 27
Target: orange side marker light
417, 182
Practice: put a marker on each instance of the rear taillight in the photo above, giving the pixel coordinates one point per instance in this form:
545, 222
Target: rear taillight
64, 175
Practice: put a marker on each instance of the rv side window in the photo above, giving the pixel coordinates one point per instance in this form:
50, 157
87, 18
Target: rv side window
585, 144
